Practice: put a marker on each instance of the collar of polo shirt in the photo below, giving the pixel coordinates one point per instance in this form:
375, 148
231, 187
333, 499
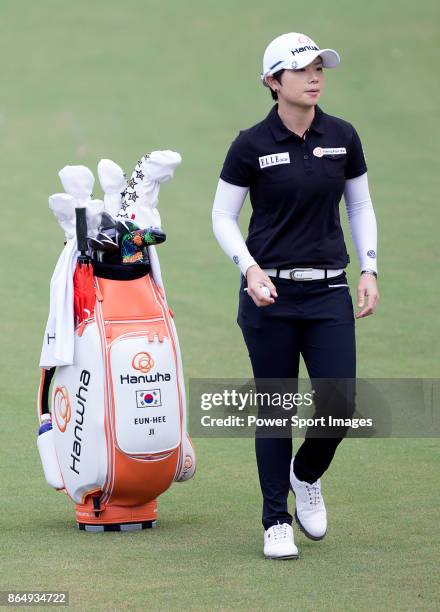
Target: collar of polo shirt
281, 132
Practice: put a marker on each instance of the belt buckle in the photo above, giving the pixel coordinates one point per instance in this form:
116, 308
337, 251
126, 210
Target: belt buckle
306, 274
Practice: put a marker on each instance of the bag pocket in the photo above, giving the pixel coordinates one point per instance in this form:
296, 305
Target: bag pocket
146, 398
78, 415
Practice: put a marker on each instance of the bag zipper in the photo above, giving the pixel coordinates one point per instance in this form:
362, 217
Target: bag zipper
81, 327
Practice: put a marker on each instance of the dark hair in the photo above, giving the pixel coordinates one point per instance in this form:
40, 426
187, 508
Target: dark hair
277, 77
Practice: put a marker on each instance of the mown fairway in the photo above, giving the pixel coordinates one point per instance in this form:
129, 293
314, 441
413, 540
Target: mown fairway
84, 80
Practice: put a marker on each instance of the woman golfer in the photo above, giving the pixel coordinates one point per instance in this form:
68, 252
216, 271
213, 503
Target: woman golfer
296, 165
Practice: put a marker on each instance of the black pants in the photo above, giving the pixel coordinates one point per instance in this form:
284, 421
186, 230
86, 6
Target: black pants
314, 319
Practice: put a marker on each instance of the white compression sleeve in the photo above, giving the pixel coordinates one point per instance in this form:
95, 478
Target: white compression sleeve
362, 221
228, 202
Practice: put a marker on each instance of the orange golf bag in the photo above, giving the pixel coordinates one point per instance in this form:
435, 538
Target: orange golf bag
113, 424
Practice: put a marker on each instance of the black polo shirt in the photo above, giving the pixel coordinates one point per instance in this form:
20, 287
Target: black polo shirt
295, 186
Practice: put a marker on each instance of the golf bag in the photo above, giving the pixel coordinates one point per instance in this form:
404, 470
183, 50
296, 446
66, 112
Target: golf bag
118, 438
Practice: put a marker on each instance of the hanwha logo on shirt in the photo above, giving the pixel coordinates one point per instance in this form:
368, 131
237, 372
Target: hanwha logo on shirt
329, 151
61, 408
143, 362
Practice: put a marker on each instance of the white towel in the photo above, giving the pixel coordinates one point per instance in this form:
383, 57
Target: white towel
59, 336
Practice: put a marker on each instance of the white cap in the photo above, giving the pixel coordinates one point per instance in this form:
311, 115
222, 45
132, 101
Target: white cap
293, 51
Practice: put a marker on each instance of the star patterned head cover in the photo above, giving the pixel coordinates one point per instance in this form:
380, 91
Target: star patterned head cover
140, 199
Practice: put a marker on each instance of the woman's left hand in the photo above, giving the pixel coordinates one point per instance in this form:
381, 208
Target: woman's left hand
367, 290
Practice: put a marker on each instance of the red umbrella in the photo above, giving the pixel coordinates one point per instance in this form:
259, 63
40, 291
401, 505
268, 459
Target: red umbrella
83, 282
83, 292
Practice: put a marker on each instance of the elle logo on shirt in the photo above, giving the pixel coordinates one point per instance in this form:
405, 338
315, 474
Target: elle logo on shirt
275, 159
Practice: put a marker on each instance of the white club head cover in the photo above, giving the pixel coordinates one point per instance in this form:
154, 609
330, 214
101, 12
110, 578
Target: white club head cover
63, 207
77, 181
146, 217
156, 218
141, 197
94, 210
160, 166
113, 183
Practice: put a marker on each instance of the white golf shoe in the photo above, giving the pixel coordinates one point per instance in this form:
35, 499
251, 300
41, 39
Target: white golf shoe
279, 543
310, 512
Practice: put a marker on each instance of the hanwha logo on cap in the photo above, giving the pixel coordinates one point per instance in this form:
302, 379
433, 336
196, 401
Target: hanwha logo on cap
143, 362
303, 39
318, 152
61, 408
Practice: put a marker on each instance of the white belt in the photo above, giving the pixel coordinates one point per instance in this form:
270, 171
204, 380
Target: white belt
303, 274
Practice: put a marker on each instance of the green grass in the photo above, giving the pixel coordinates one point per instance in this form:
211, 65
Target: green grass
81, 81
381, 551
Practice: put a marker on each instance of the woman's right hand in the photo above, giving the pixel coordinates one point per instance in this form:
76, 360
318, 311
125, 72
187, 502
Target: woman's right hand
256, 280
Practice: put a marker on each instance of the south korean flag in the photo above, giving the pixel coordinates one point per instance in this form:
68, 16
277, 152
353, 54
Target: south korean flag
148, 397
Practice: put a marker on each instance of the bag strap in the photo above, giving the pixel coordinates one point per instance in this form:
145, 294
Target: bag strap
43, 390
